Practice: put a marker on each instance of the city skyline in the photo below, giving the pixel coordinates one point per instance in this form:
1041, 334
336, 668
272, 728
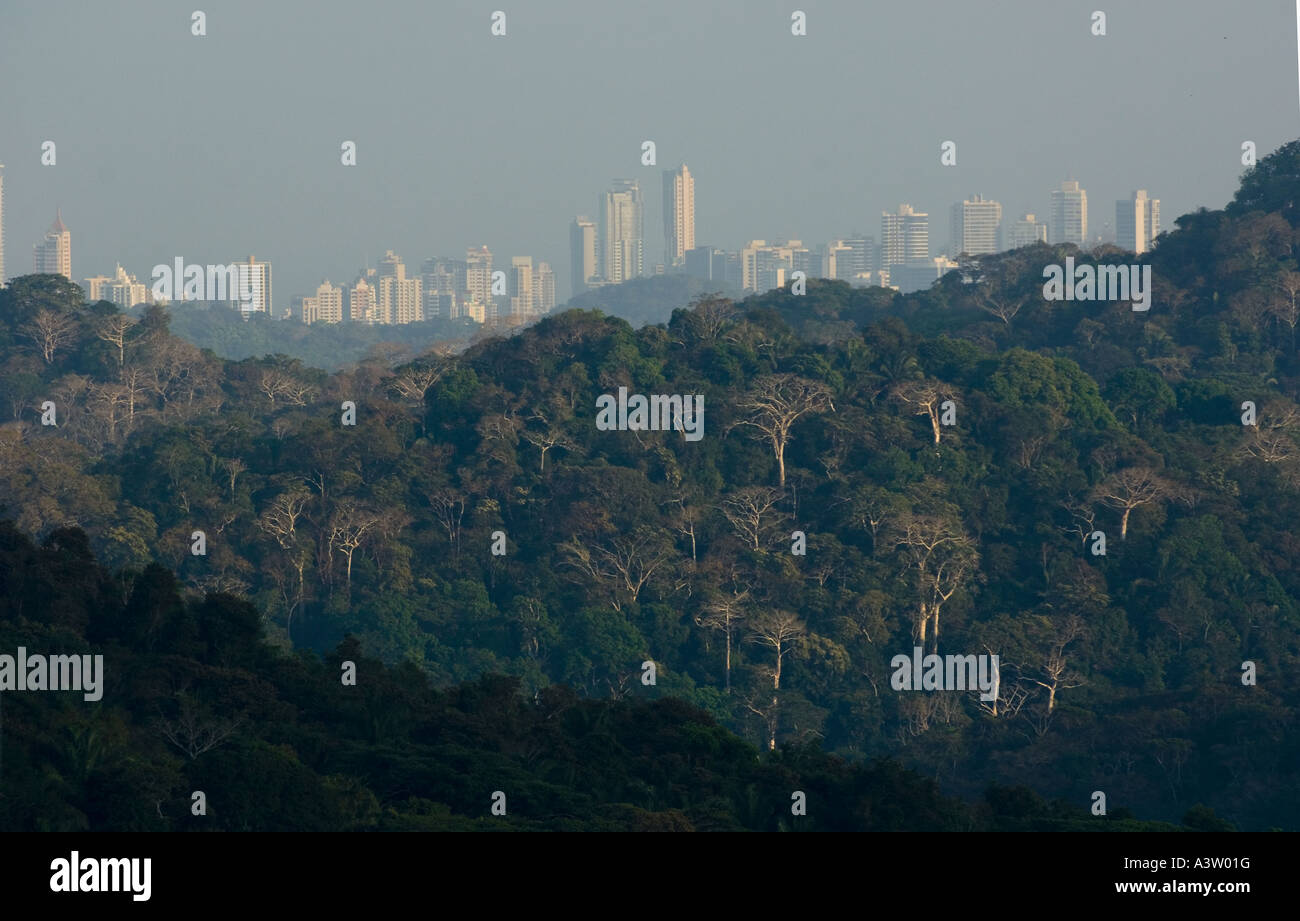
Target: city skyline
447, 287
799, 163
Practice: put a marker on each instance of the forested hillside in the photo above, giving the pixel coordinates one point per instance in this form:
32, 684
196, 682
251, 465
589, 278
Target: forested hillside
196, 701
949, 455
333, 346
329, 346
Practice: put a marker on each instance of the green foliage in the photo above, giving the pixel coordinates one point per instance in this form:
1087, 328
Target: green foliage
1124, 670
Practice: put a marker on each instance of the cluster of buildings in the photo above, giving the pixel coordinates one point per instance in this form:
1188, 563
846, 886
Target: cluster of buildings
444, 288
610, 250
613, 251
901, 259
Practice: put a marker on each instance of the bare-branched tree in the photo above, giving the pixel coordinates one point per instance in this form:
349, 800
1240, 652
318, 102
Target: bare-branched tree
775, 403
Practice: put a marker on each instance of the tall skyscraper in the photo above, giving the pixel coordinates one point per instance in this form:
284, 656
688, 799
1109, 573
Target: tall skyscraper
53, 255
255, 277
1137, 222
679, 215
521, 286
623, 232
904, 237
478, 284
1026, 232
2, 224
363, 306
398, 296
543, 289
1069, 214
976, 227
443, 282
584, 250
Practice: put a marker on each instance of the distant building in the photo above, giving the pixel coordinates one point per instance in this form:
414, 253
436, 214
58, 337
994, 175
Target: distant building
679, 215
363, 306
623, 232
254, 277
707, 262
1026, 232
918, 274
764, 266
808, 261
584, 250
53, 255
976, 227
478, 304
443, 285
1069, 214
399, 297
904, 237
521, 286
543, 289
325, 306
1137, 222
119, 288
848, 258
735, 269
876, 279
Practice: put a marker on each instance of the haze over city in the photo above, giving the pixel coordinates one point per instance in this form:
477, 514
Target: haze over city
220, 146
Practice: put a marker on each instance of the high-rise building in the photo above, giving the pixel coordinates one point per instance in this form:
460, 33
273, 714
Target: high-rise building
622, 237
2, 224
848, 258
976, 227
255, 278
707, 262
584, 250
803, 259
521, 286
835, 254
1137, 222
96, 287
766, 266
543, 289
679, 215
119, 288
904, 237
919, 274
1069, 214
325, 306
53, 255
363, 306
478, 286
1026, 232
735, 269
443, 284
399, 297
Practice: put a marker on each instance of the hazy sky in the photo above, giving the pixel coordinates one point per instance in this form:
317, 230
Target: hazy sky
215, 147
